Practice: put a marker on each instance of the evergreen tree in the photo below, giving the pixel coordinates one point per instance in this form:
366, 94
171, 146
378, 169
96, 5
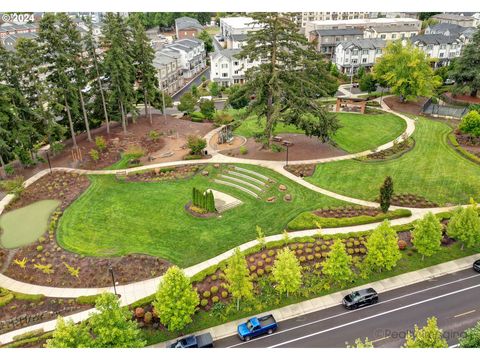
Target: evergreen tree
287, 272
207, 40
386, 193
430, 336
427, 235
290, 79
382, 249
176, 300
407, 71
465, 225
471, 337
237, 276
466, 70
187, 103
337, 267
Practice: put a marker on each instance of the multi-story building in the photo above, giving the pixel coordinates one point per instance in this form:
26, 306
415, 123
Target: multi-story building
466, 21
440, 48
187, 28
17, 29
193, 58
391, 31
226, 68
234, 30
342, 15
463, 33
327, 40
351, 55
169, 70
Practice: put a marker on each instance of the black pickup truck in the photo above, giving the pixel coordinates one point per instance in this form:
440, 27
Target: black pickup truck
192, 341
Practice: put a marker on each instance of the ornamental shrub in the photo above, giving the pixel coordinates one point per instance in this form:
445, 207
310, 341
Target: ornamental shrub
39, 248
204, 302
95, 155
264, 256
101, 143
260, 272
268, 260
310, 257
402, 245
260, 263
215, 299
214, 290
471, 123
268, 268
147, 318
271, 252
139, 312
224, 294
206, 294
253, 268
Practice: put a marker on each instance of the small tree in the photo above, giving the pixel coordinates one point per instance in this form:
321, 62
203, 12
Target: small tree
69, 335
194, 90
430, 336
237, 275
207, 39
386, 192
427, 235
207, 108
287, 272
176, 300
471, 337
368, 83
382, 249
465, 225
260, 237
214, 89
359, 344
337, 267
196, 144
471, 123
187, 103
237, 96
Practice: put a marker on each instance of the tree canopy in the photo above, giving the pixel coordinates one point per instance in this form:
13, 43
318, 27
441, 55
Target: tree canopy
466, 69
430, 336
237, 275
287, 272
427, 235
382, 249
337, 267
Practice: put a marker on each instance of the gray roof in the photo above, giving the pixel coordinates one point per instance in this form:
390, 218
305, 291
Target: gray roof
187, 23
10, 41
452, 17
334, 32
230, 53
186, 44
442, 27
434, 39
239, 37
364, 43
391, 28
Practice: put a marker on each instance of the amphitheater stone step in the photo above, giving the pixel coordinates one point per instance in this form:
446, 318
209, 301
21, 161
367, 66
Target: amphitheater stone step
245, 176
237, 186
243, 182
252, 173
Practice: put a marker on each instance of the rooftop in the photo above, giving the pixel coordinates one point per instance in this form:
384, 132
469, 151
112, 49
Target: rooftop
434, 39
187, 23
452, 17
333, 32
364, 43
239, 22
365, 21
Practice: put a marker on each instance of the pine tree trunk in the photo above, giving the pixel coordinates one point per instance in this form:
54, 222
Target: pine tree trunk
85, 117
101, 92
147, 112
124, 126
70, 122
3, 173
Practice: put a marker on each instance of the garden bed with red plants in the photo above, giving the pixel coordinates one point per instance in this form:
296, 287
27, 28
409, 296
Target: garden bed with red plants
166, 173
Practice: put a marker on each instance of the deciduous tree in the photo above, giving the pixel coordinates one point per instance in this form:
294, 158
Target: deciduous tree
287, 272
175, 300
337, 267
382, 249
187, 103
207, 40
237, 275
430, 336
471, 337
466, 70
465, 225
67, 334
427, 235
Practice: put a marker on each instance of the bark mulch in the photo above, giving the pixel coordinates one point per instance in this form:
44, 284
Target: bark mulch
347, 212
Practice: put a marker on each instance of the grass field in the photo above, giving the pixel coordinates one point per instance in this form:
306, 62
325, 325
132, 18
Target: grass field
114, 217
432, 169
358, 133
23, 226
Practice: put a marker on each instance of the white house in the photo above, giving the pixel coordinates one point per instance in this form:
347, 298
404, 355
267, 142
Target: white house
234, 30
193, 58
391, 31
227, 69
351, 55
169, 70
439, 47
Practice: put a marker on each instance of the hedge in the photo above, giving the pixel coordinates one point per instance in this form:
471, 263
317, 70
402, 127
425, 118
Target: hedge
4, 300
29, 341
29, 297
88, 299
308, 220
28, 334
461, 150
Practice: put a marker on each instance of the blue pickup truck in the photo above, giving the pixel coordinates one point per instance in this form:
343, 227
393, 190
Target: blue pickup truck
256, 327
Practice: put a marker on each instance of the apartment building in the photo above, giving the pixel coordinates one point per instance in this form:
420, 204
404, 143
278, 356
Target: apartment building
234, 30
351, 55
463, 33
187, 28
169, 70
327, 40
391, 31
193, 58
457, 19
441, 48
336, 15
227, 69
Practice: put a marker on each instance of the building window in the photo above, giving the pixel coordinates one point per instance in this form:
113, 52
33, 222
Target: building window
441, 55
365, 52
364, 60
224, 75
394, 36
412, 34
354, 61
355, 52
346, 60
378, 51
235, 63
224, 66
383, 36
236, 72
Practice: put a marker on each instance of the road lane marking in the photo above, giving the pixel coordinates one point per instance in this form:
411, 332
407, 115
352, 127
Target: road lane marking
350, 312
465, 313
377, 340
374, 316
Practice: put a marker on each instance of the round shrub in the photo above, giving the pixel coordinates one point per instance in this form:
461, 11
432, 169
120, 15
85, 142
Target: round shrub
204, 302
260, 263
324, 247
39, 248
317, 249
251, 259
299, 252
350, 251
260, 272
271, 252
264, 256
253, 268
206, 294
293, 247
268, 260
300, 246
224, 294
318, 255
402, 245
268, 268
349, 244
310, 257
324, 254
214, 289
147, 318
356, 242
310, 245
254, 276
363, 251
139, 312
214, 277
308, 250
302, 259
357, 250
215, 299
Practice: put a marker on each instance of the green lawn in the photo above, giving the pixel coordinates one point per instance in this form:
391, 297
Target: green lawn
432, 169
23, 226
359, 132
114, 217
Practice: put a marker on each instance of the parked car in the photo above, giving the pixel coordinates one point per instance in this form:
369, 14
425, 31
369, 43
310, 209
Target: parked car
200, 341
256, 327
360, 298
476, 265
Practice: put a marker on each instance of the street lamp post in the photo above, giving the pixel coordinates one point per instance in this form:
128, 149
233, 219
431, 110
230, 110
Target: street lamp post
49, 164
110, 269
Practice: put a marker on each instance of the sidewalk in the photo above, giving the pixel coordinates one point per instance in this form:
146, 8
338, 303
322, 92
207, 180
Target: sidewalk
323, 302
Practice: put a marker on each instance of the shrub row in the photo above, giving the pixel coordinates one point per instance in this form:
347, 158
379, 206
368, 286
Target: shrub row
88, 299
461, 150
308, 220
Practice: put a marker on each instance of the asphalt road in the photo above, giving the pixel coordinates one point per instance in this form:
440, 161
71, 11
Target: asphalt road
197, 81
454, 299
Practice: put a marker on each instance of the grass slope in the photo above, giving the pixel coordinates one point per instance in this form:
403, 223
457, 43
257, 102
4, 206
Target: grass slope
25, 225
432, 169
116, 218
359, 132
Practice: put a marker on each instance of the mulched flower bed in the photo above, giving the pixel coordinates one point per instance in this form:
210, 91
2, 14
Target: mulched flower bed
468, 142
167, 173
412, 200
48, 264
395, 151
193, 212
301, 170
346, 212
